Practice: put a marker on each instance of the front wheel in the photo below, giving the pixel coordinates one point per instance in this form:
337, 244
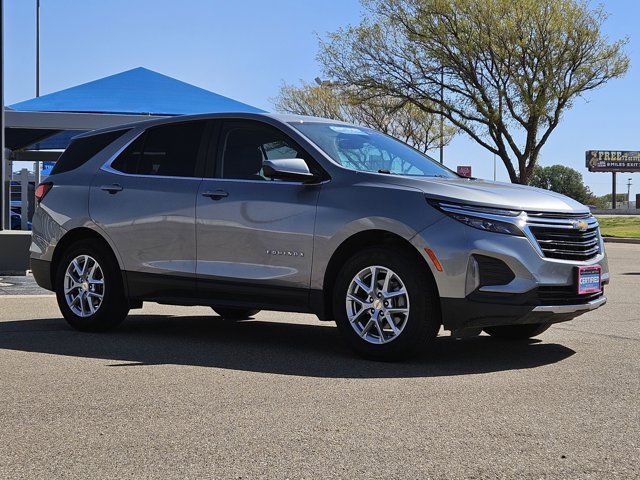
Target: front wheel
517, 332
89, 288
386, 304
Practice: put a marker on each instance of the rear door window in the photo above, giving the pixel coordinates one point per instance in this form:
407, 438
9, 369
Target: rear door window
128, 160
172, 150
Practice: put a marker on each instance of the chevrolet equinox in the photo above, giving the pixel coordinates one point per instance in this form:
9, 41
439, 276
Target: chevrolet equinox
249, 212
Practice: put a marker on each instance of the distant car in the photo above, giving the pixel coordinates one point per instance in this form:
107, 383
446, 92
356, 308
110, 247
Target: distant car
16, 221
244, 212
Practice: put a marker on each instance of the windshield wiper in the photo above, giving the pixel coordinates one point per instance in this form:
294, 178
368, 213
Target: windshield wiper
384, 170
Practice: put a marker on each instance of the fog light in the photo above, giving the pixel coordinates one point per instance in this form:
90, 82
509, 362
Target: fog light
472, 282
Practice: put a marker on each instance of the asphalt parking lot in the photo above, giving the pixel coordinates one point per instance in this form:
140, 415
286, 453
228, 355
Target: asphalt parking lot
177, 392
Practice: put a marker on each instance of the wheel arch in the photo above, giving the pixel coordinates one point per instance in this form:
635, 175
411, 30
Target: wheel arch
350, 246
73, 236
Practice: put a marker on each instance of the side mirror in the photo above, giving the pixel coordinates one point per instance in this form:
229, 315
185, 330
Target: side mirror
294, 169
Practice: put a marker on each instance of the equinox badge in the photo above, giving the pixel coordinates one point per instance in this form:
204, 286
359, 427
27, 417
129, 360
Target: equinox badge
288, 253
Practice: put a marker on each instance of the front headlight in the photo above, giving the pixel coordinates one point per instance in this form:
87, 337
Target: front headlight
484, 218
488, 225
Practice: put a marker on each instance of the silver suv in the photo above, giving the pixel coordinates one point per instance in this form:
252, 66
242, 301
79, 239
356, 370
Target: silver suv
249, 212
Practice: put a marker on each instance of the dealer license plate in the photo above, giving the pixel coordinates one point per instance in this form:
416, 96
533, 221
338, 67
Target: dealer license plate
589, 279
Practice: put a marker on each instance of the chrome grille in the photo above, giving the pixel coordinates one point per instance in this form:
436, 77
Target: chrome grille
559, 237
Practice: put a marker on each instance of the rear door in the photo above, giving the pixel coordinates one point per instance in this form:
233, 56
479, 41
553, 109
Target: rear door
144, 200
254, 235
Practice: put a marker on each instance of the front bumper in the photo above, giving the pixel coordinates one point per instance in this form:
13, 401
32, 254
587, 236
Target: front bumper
568, 309
542, 289
463, 313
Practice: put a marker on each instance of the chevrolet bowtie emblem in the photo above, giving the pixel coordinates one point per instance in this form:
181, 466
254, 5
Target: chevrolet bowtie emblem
580, 225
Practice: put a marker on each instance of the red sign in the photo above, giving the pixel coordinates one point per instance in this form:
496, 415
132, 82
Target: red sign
464, 170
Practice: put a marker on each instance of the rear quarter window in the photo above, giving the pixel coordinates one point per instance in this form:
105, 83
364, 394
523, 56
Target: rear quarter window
83, 149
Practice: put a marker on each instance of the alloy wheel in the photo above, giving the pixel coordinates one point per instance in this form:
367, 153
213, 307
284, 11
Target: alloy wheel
377, 304
84, 286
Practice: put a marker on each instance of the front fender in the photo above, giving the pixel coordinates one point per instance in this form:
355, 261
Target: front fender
347, 210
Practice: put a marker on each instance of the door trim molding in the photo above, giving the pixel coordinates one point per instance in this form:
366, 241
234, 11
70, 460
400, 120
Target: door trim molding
188, 290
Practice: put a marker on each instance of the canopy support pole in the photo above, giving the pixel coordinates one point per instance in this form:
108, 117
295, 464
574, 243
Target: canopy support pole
4, 179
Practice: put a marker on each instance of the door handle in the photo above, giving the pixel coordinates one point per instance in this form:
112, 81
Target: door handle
215, 195
112, 189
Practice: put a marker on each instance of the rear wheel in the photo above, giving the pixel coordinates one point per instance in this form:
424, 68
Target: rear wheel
89, 288
233, 313
517, 332
386, 304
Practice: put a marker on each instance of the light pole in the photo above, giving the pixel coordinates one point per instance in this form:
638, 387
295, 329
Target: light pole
629, 194
441, 115
36, 165
494, 167
37, 48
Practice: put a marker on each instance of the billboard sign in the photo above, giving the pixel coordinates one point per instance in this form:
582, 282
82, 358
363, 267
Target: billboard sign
613, 161
464, 170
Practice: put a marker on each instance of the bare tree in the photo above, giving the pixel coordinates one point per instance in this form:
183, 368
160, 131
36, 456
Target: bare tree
502, 71
401, 120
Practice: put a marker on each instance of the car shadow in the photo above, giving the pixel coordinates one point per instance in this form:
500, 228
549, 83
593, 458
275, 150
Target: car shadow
268, 347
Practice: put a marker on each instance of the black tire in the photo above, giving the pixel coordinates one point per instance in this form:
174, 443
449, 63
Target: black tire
114, 307
517, 332
234, 313
422, 323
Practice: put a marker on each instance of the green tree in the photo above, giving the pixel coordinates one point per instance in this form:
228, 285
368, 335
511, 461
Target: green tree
564, 180
404, 121
605, 200
502, 71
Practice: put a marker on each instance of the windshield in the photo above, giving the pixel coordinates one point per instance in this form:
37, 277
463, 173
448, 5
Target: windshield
367, 150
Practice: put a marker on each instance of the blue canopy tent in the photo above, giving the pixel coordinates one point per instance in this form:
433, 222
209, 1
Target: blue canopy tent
139, 91
124, 97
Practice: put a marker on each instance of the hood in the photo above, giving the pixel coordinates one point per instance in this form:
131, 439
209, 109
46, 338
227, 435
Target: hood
493, 194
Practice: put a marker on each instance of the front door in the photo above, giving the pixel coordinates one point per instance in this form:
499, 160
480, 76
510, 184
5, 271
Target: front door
254, 235
144, 200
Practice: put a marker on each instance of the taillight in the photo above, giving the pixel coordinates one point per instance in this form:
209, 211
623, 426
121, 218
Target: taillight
42, 190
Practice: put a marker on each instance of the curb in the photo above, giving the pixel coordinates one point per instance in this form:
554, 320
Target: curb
621, 240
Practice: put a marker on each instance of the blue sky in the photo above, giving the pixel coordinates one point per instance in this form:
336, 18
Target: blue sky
245, 49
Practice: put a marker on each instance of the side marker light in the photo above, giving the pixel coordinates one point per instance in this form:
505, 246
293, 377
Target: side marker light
434, 259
